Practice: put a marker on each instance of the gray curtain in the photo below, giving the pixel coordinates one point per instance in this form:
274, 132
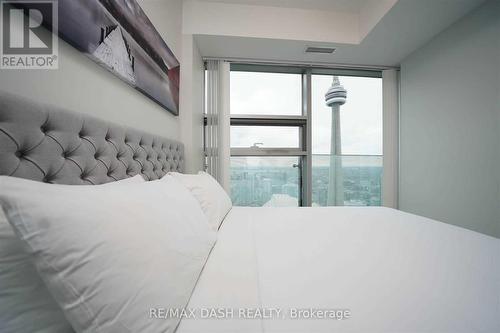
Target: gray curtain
217, 150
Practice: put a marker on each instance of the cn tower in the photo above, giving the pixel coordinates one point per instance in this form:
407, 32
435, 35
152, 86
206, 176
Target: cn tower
334, 98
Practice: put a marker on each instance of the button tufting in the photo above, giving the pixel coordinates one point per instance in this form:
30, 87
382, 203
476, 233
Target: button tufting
72, 149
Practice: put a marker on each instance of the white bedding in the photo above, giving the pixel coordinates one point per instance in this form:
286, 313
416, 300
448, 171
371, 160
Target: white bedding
394, 272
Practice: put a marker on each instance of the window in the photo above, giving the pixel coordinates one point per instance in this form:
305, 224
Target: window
265, 137
257, 93
282, 131
267, 131
361, 180
358, 167
265, 181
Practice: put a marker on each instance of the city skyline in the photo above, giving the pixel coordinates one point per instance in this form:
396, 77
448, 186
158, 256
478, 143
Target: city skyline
269, 185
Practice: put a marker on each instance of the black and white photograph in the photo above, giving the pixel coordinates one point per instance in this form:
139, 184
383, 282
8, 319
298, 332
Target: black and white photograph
118, 35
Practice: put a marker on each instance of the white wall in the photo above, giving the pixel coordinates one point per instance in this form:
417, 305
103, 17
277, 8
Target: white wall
450, 125
81, 85
215, 18
192, 100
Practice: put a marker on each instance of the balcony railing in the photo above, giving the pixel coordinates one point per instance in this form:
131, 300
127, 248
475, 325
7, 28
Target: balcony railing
360, 175
272, 181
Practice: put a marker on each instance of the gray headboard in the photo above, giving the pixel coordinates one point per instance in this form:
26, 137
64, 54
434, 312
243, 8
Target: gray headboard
44, 143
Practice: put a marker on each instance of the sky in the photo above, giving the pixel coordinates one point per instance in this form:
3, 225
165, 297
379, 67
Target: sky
280, 94
360, 116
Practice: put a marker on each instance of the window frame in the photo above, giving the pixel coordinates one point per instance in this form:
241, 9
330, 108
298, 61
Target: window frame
303, 121
300, 121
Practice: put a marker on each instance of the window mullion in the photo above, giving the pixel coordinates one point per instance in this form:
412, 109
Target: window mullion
307, 139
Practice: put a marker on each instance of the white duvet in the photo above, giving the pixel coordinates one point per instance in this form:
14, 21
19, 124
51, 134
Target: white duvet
388, 270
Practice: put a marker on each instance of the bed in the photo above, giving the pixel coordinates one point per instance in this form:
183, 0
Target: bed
393, 271
338, 269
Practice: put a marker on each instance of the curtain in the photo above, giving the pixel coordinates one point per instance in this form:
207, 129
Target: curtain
390, 177
217, 149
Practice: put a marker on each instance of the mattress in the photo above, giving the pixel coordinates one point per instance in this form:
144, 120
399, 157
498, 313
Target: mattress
346, 269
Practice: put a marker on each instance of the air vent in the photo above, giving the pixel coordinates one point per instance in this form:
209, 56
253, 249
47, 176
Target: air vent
313, 49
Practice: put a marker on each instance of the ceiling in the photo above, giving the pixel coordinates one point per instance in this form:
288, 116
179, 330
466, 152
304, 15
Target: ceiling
408, 25
351, 6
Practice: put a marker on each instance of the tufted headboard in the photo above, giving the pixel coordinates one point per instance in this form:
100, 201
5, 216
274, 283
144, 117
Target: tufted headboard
44, 143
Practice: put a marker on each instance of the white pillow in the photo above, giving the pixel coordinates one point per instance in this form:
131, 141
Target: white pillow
212, 198
25, 303
109, 255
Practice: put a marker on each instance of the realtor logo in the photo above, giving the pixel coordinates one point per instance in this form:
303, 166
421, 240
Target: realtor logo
28, 34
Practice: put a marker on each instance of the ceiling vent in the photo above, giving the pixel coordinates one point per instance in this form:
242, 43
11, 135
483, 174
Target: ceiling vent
326, 50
